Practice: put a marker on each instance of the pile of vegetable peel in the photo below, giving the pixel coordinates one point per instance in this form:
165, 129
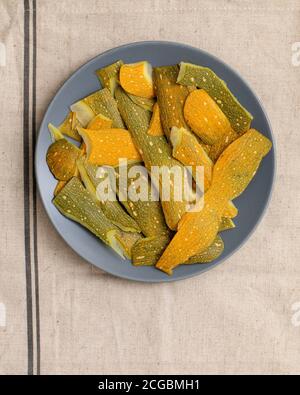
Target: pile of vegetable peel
169, 116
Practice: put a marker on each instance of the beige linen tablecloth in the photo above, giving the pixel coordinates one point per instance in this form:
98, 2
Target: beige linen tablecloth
60, 315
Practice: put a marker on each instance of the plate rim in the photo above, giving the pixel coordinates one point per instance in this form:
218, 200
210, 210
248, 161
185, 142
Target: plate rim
224, 64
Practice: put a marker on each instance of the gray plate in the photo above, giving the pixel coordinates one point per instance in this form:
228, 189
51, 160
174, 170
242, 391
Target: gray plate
251, 204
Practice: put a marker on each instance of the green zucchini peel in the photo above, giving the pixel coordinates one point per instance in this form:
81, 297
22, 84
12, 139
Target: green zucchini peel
146, 252
170, 97
69, 126
77, 204
102, 102
210, 254
112, 209
109, 76
154, 150
148, 214
204, 78
144, 102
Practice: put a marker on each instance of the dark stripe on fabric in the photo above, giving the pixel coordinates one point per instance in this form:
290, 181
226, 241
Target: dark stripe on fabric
26, 176
34, 135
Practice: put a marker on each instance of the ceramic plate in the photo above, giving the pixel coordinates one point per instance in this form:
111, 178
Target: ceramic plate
251, 204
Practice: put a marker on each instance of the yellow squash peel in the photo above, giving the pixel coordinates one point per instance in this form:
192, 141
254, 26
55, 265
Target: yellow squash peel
188, 150
204, 117
155, 128
232, 173
100, 122
107, 146
136, 78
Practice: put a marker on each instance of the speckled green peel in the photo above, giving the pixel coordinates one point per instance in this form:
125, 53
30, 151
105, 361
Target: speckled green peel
144, 102
203, 77
102, 102
76, 203
154, 150
136, 118
210, 254
148, 214
112, 209
127, 241
170, 97
61, 158
109, 76
69, 126
220, 146
239, 163
232, 173
146, 252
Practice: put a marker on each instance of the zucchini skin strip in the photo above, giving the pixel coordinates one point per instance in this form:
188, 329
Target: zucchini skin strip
111, 209
69, 126
100, 102
239, 163
77, 204
126, 241
148, 214
109, 76
217, 148
155, 127
170, 97
205, 117
232, 173
210, 254
146, 252
144, 102
59, 187
154, 150
208, 121
190, 152
203, 77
